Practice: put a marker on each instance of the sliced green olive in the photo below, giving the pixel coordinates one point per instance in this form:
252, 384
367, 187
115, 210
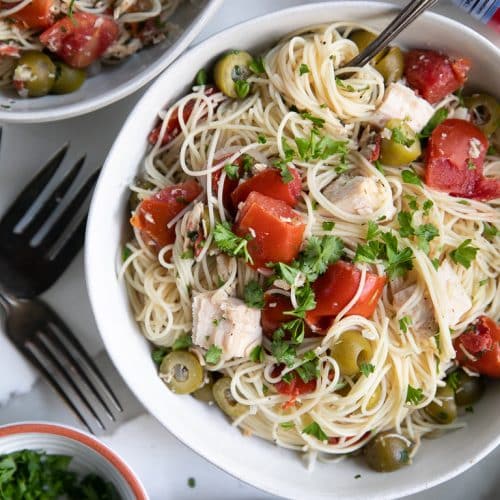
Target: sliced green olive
387, 452
446, 412
134, 200
350, 350
181, 371
225, 400
205, 392
486, 112
35, 74
230, 69
375, 398
68, 79
402, 147
468, 390
391, 65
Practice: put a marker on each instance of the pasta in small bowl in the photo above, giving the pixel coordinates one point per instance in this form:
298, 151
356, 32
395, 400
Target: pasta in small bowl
311, 252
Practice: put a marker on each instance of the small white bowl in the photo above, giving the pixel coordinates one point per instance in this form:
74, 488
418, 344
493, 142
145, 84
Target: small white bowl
199, 426
89, 454
113, 82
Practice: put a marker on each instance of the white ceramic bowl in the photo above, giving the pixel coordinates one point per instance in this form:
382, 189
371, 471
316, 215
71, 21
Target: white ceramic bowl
112, 82
205, 429
89, 454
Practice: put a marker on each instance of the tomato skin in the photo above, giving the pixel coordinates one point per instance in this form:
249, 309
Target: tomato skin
278, 229
9, 50
434, 75
81, 39
270, 183
335, 289
173, 126
37, 15
295, 387
229, 184
449, 160
482, 340
153, 214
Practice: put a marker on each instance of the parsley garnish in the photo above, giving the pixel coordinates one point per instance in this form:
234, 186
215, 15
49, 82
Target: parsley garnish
453, 380
372, 231
318, 254
232, 171
188, 254
126, 253
471, 165
464, 254
439, 116
340, 83
318, 122
412, 202
70, 8
319, 147
254, 295
248, 163
303, 69
286, 175
489, 231
435, 263
257, 66
404, 322
405, 224
328, 225
428, 204
491, 151
378, 166
158, 354
212, 356
414, 395
366, 368
242, 88
357, 476
426, 233
257, 354
182, 343
191, 482
287, 425
309, 370
483, 282
283, 351
313, 429
201, 77
411, 177
261, 139
228, 242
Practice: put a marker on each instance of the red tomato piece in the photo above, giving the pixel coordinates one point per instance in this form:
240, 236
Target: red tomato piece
481, 340
81, 39
335, 289
36, 15
295, 386
276, 229
454, 161
173, 127
153, 214
9, 50
270, 183
434, 75
229, 184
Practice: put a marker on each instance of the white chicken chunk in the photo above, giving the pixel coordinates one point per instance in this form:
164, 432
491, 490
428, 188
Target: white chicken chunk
359, 195
227, 323
400, 102
456, 298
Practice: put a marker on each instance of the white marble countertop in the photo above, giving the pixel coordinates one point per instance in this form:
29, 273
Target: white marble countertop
163, 463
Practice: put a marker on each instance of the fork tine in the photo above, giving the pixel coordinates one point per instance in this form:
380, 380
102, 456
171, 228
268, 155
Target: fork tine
31, 192
48, 367
51, 203
58, 227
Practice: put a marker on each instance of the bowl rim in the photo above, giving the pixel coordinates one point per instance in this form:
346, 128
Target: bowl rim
68, 432
92, 250
123, 90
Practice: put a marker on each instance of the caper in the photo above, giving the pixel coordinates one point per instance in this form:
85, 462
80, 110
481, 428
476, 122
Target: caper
388, 452
68, 79
231, 72
468, 390
225, 400
391, 65
485, 112
134, 199
34, 74
446, 412
350, 350
181, 371
402, 147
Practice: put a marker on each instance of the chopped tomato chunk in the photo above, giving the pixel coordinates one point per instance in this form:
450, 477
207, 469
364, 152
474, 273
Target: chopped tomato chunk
335, 289
36, 15
153, 215
454, 161
9, 50
229, 184
275, 228
482, 342
434, 75
81, 39
270, 183
295, 386
173, 126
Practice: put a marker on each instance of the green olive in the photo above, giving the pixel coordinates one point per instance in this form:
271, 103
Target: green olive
387, 452
374, 398
350, 350
486, 112
134, 199
468, 390
181, 371
362, 38
205, 393
225, 400
402, 148
34, 74
230, 69
68, 79
391, 65
446, 412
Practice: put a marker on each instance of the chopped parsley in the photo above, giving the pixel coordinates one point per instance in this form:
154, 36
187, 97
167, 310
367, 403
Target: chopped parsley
328, 225
414, 395
257, 354
257, 66
471, 165
229, 243
318, 254
213, 354
464, 254
283, 351
372, 231
366, 368
491, 151
201, 77
182, 343
340, 83
242, 88
303, 69
287, 425
126, 253
254, 295
428, 204
405, 224
187, 254
357, 476
314, 429
453, 379
412, 202
158, 354
438, 117
483, 282
70, 8
404, 323
286, 175
261, 139
309, 370
425, 233
378, 166
318, 122
232, 171
411, 177
191, 482
489, 231
318, 147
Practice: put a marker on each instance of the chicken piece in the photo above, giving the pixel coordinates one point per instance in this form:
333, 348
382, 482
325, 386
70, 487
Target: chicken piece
457, 300
359, 195
227, 323
402, 103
